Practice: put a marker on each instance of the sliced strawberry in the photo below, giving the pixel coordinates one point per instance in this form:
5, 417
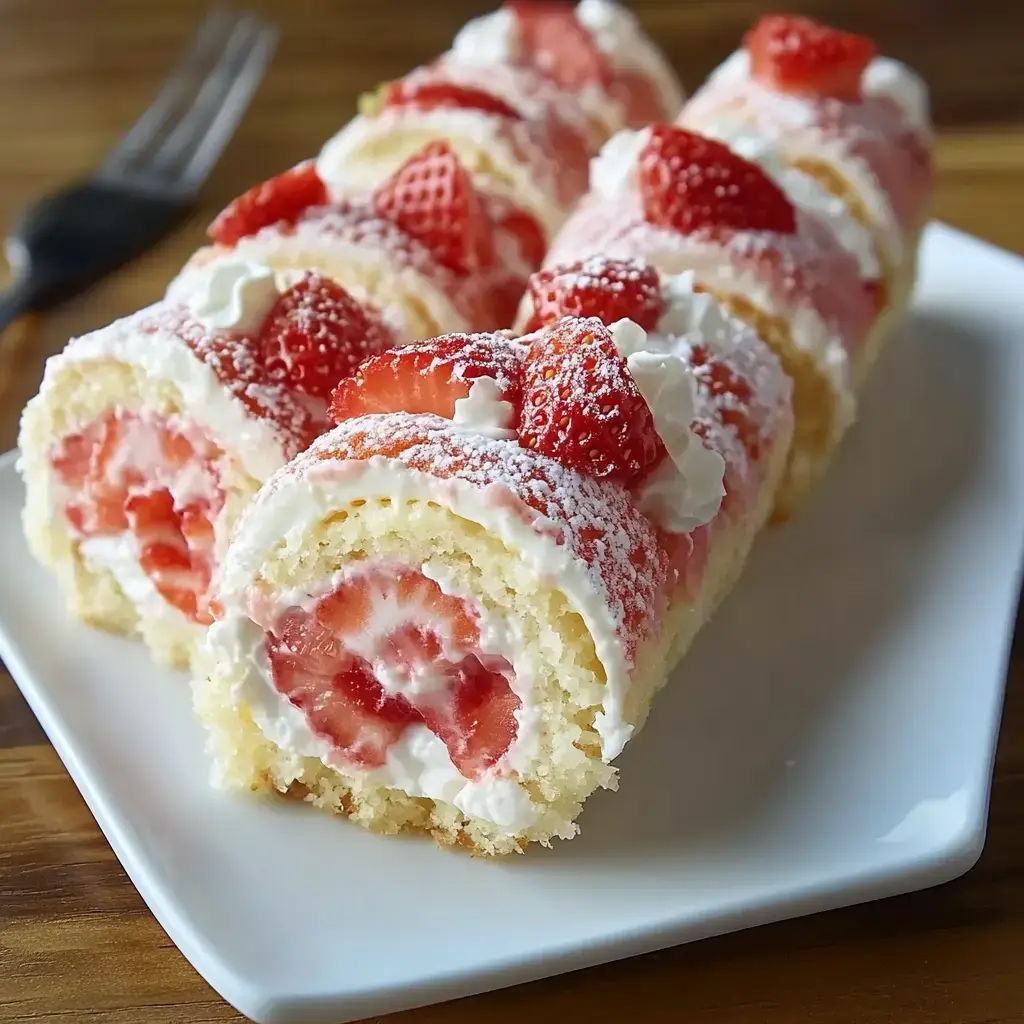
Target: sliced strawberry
472, 710
477, 724
429, 376
582, 407
280, 200
431, 197
608, 289
122, 469
524, 227
717, 379
317, 334
431, 95
689, 183
798, 55
559, 46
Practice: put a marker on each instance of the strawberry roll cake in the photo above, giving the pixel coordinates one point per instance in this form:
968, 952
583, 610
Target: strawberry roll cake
422, 245
596, 50
526, 142
856, 122
453, 610
773, 250
149, 435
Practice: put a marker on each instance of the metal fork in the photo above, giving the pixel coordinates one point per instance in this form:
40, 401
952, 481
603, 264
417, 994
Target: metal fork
146, 186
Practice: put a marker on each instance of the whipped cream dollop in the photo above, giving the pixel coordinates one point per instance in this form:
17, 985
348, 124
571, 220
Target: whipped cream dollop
802, 190
235, 295
893, 79
686, 490
615, 165
488, 39
484, 412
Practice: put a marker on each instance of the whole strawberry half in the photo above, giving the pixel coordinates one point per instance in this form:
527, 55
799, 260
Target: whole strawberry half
430, 376
690, 183
582, 407
798, 55
316, 334
605, 288
431, 197
281, 199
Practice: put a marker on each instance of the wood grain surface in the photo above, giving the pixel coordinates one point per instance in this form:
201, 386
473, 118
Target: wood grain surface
76, 941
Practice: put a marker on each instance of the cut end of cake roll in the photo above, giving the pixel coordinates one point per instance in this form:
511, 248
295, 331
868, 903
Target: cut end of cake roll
425, 246
149, 436
451, 613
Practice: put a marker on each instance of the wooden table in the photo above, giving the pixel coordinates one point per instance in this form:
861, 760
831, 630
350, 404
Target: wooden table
76, 941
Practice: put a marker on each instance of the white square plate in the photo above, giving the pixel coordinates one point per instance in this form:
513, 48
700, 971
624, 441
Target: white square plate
829, 739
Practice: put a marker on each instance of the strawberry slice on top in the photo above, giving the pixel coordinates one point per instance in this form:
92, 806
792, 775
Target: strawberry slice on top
690, 183
430, 377
316, 334
582, 407
432, 198
605, 288
424, 94
558, 45
280, 200
799, 55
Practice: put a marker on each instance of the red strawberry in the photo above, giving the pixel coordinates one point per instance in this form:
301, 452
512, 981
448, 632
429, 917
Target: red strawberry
427, 95
688, 182
524, 227
283, 198
317, 334
608, 289
429, 376
798, 55
432, 198
582, 407
558, 45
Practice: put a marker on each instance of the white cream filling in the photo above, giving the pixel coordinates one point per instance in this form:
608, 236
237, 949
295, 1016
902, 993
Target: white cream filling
418, 763
119, 556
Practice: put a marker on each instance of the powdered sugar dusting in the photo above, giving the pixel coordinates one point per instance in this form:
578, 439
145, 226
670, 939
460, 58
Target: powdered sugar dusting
596, 520
883, 153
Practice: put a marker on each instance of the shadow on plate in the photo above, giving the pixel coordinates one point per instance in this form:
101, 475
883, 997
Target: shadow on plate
819, 596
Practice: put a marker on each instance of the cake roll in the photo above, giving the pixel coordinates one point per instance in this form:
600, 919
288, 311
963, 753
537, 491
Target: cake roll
856, 122
766, 241
526, 143
451, 613
597, 50
423, 244
148, 436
